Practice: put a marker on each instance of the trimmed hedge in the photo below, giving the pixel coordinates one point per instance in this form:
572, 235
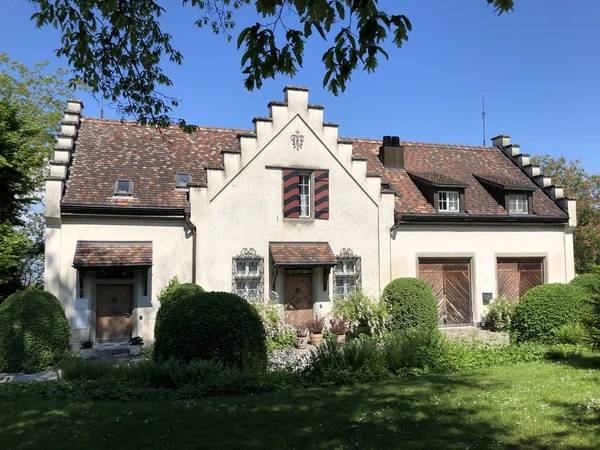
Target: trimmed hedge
217, 326
410, 302
545, 309
34, 332
173, 293
588, 281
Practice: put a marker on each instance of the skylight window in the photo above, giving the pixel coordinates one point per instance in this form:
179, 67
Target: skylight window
182, 180
123, 187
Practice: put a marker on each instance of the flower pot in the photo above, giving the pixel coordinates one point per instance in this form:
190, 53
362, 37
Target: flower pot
135, 350
86, 353
316, 339
301, 341
341, 338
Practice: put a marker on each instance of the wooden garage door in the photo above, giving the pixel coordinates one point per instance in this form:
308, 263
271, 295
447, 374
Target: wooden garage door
517, 276
451, 285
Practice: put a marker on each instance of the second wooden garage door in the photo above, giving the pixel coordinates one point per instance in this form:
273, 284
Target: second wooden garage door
451, 285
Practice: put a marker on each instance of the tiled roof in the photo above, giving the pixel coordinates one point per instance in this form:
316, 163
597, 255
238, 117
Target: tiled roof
107, 150
505, 182
100, 253
459, 162
302, 254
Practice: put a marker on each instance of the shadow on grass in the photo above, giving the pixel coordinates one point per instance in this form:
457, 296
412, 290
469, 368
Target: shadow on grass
390, 414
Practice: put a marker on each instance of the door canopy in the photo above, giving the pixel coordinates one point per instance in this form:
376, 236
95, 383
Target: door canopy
105, 254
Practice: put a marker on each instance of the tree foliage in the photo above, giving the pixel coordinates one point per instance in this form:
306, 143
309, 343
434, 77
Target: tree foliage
31, 104
585, 188
116, 46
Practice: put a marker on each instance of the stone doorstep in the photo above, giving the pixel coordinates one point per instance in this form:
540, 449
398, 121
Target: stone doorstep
107, 349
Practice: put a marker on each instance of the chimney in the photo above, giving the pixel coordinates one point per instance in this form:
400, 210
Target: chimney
502, 140
391, 153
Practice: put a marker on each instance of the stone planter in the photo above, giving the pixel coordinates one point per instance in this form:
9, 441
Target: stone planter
86, 353
135, 350
341, 338
316, 339
301, 341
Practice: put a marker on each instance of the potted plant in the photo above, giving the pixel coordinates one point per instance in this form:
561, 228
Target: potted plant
315, 328
86, 350
339, 326
135, 346
301, 336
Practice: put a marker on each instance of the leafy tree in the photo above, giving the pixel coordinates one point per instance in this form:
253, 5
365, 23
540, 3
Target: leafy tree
31, 104
116, 46
585, 188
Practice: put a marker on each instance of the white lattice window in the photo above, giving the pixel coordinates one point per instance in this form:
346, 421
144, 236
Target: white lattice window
448, 201
518, 204
248, 274
346, 275
305, 193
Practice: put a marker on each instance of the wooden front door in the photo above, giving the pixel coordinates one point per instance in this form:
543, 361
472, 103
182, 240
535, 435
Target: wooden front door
450, 281
113, 312
298, 298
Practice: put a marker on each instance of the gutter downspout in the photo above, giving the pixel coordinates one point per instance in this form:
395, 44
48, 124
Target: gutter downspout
187, 213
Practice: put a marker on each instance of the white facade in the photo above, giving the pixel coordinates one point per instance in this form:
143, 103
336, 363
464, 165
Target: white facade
241, 207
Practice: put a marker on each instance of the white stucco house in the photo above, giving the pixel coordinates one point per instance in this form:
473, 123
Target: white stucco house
293, 212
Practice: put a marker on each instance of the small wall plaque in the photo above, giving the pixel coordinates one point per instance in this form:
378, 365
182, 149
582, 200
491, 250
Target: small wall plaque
487, 298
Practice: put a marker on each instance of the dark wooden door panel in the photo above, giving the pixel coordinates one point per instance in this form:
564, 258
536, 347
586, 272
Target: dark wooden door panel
113, 311
451, 286
298, 299
433, 275
457, 294
517, 276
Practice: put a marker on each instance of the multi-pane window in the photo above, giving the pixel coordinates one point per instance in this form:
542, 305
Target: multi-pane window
448, 201
518, 204
346, 275
305, 193
123, 187
248, 274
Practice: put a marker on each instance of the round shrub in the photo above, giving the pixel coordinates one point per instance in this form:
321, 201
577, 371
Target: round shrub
545, 309
410, 302
216, 326
34, 332
590, 282
173, 293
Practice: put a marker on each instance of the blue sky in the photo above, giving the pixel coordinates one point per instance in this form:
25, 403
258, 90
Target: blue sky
538, 66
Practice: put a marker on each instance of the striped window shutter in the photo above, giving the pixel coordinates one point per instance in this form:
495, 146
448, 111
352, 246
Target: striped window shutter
291, 194
321, 178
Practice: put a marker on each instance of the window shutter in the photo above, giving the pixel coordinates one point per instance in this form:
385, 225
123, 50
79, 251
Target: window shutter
291, 194
321, 194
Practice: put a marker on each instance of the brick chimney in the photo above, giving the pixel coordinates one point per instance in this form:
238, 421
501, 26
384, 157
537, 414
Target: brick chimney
391, 153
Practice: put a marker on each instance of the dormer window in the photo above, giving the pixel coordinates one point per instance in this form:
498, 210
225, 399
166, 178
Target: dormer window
445, 194
182, 180
518, 204
448, 201
123, 187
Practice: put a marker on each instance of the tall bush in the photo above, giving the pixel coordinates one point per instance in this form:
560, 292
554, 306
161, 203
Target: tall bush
410, 302
499, 314
34, 332
545, 309
591, 283
172, 293
217, 326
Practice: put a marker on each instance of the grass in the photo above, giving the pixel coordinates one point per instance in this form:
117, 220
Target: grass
530, 405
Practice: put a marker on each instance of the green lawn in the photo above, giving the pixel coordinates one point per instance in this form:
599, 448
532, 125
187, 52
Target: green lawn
533, 405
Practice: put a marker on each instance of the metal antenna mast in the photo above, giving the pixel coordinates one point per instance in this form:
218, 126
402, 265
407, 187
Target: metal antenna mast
483, 115
102, 106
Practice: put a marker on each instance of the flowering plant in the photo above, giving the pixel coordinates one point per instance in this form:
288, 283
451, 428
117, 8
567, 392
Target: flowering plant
317, 325
360, 310
339, 325
301, 331
136, 340
278, 333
